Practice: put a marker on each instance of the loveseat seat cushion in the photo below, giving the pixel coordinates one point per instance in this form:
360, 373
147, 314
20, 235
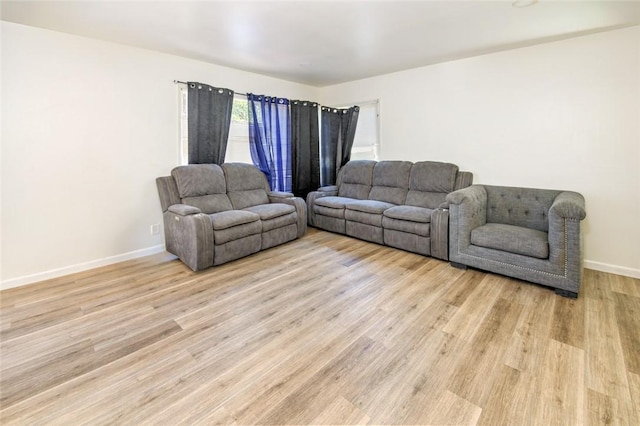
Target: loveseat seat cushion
409, 213
271, 211
233, 225
512, 239
230, 218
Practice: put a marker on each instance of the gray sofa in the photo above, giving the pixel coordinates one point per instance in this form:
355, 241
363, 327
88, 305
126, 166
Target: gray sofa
214, 214
396, 203
526, 233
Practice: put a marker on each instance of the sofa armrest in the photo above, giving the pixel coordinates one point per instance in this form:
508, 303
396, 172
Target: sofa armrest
568, 205
440, 233
301, 210
190, 237
311, 201
329, 190
183, 209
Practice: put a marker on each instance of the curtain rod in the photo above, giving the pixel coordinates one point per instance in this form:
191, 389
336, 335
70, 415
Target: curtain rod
244, 94
184, 82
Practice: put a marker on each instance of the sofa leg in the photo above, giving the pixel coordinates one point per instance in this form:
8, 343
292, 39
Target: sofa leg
458, 265
566, 293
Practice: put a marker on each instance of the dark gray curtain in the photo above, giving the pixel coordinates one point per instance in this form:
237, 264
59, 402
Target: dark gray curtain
338, 132
209, 116
305, 152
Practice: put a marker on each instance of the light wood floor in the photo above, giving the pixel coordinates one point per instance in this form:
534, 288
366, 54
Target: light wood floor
323, 330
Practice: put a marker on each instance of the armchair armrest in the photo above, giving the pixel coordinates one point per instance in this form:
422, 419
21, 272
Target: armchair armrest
183, 209
475, 194
467, 211
569, 205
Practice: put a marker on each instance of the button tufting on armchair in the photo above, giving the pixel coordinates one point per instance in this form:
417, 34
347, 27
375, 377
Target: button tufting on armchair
215, 214
526, 233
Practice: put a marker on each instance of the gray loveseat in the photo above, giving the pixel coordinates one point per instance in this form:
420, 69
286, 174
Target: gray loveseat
526, 233
396, 203
214, 214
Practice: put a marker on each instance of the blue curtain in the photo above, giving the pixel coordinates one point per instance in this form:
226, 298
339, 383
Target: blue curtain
269, 139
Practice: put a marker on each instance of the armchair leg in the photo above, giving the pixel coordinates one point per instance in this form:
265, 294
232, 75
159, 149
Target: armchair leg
566, 293
458, 265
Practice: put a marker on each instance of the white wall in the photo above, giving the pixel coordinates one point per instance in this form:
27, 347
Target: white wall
87, 126
562, 115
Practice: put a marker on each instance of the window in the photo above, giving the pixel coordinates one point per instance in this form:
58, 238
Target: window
238, 150
238, 144
366, 143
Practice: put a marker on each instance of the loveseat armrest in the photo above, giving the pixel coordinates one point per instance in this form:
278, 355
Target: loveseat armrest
189, 236
274, 196
183, 209
569, 205
301, 211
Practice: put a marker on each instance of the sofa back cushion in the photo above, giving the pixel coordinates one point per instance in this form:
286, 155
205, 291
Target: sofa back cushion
202, 186
430, 182
355, 179
525, 207
390, 181
246, 185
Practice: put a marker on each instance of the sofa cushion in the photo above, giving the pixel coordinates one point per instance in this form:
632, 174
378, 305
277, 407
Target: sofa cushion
429, 183
410, 213
227, 219
369, 206
270, 211
429, 200
422, 229
355, 179
195, 180
365, 218
390, 181
512, 239
433, 176
334, 202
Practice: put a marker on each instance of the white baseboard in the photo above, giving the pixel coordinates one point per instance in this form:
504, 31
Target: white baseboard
55, 273
612, 269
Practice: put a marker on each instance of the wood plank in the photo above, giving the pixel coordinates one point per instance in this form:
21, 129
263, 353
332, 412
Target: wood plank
325, 329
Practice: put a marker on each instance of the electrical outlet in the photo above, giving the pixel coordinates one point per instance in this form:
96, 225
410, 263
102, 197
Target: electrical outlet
155, 229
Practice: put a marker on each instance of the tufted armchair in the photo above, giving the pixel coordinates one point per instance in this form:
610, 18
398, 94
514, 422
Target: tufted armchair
526, 233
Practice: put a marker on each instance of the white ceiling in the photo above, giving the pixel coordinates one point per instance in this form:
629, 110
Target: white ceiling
320, 43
